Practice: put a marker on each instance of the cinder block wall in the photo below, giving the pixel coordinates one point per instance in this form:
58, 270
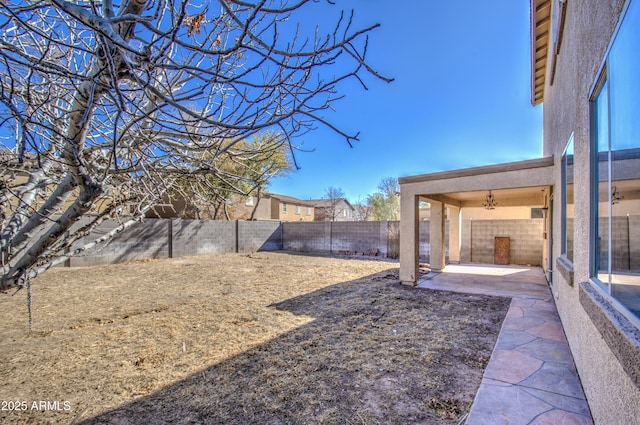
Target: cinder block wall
148, 239
163, 238
359, 237
424, 235
626, 242
526, 236
194, 237
634, 242
259, 236
527, 243
307, 236
365, 237
424, 230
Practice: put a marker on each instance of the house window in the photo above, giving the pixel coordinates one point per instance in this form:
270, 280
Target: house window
308, 210
284, 207
298, 208
615, 262
250, 201
567, 200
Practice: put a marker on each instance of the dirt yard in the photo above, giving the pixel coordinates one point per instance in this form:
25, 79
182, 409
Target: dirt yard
265, 338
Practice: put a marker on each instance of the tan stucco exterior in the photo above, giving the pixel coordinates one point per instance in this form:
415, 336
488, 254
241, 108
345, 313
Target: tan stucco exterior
500, 213
291, 209
588, 29
339, 209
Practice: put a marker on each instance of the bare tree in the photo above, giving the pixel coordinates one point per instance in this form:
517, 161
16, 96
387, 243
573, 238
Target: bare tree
105, 102
330, 204
363, 210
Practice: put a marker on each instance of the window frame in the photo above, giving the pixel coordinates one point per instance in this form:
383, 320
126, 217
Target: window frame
594, 165
563, 208
604, 289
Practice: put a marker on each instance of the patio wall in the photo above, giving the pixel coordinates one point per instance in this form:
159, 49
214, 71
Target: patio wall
526, 236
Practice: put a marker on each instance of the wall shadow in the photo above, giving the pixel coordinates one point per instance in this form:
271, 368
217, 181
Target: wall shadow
273, 240
144, 240
375, 352
148, 239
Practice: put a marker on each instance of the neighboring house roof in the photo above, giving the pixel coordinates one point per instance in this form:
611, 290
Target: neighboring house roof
540, 39
328, 203
288, 199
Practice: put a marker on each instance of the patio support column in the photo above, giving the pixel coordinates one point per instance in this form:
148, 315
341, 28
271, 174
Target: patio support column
436, 236
409, 237
453, 214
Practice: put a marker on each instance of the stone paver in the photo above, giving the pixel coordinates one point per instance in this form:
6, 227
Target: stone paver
531, 377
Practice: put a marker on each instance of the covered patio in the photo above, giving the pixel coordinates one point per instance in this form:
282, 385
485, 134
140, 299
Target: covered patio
523, 183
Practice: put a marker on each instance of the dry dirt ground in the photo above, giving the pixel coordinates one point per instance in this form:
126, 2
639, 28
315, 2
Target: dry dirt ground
265, 338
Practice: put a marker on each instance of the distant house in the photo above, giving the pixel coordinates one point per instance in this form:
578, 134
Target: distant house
338, 209
269, 206
272, 206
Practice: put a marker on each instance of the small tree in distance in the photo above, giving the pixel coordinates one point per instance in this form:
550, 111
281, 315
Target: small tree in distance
385, 204
253, 163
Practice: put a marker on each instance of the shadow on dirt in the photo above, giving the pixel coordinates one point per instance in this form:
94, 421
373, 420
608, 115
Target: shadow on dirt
375, 352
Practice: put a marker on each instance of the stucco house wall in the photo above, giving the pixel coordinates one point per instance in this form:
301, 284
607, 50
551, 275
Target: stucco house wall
294, 211
500, 213
271, 207
612, 391
333, 210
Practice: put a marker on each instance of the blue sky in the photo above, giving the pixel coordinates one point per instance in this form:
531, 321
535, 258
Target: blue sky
461, 96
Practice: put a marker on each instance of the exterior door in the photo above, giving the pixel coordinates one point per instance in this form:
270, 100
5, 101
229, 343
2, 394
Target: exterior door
502, 245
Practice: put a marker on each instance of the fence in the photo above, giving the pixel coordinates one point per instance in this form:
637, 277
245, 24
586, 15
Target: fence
168, 238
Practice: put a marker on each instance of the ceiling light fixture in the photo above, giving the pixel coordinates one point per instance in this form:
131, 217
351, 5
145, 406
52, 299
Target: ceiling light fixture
490, 202
616, 196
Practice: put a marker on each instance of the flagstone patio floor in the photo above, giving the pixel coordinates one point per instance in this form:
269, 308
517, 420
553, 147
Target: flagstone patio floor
531, 377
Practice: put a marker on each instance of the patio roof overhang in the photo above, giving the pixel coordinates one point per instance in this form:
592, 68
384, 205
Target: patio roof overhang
515, 183
540, 39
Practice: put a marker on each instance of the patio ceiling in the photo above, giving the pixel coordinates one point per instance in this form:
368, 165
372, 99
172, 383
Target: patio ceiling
522, 196
540, 36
